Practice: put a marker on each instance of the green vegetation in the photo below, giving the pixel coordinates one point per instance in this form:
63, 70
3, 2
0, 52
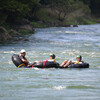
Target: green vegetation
21, 15
39, 25
25, 32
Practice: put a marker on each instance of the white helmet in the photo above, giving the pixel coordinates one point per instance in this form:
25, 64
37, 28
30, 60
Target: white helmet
22, 51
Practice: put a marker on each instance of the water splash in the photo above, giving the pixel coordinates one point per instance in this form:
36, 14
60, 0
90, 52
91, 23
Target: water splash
59, 87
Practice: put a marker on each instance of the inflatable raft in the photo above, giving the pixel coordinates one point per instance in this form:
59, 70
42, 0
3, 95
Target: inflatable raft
17, 61
45, 64
40, 64
83, 65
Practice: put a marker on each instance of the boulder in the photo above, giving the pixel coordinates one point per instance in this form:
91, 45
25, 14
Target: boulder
75, 25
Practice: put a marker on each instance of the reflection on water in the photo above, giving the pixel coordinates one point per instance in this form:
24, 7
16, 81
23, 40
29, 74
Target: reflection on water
47, 84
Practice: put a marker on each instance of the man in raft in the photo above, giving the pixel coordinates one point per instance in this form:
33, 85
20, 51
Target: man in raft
23, 58
67, 63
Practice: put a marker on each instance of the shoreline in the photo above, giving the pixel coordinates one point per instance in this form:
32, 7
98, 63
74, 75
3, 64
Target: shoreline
18, 33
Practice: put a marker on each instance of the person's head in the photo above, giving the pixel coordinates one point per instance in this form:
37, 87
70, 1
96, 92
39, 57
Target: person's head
50, 56
23, 52
79, 58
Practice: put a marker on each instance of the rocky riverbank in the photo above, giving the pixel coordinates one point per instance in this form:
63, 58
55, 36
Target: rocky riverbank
14, 32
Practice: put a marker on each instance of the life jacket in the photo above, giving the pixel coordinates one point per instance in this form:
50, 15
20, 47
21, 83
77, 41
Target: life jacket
52, 60
78, 62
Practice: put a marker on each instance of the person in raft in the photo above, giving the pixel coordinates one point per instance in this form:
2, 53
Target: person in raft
52, 58
67, 63
23, 58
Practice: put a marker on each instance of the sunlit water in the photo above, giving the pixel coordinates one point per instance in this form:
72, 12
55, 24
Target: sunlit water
53, 84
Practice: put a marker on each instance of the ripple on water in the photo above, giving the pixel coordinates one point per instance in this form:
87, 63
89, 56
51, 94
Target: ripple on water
73, 87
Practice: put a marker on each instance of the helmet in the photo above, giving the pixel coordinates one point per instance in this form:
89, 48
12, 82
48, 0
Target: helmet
22, 51
79, 56
53, 56
50, 54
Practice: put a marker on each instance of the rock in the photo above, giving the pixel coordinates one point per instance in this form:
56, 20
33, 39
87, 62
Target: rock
75, 25
21, 21
22, 24
26, 39
4, 34
68, 25
26, 27
13, 32
18, 38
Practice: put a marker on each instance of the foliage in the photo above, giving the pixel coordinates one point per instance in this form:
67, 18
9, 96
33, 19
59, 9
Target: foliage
17, 8
25, 32
10, 10
95, 7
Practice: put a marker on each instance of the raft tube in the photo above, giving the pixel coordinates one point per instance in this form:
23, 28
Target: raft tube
41, 64
56, 65
17, 61
83, 65
45, 64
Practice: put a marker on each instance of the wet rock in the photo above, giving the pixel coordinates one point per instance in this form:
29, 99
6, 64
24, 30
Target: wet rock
17, 38
68, 25
75, 25
26, 39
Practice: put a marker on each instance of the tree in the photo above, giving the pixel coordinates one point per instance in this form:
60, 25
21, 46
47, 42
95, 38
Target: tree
95, 7
17, 8
63, 7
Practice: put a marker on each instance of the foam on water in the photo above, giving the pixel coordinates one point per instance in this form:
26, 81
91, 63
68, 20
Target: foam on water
59, 87
36, 68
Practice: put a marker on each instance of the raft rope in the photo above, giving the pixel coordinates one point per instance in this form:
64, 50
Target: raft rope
44, 66
33, 65
21, 65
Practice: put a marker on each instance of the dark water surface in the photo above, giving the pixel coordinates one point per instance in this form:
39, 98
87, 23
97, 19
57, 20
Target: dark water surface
53, 84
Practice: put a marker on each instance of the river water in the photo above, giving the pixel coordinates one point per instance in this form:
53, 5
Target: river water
53, 84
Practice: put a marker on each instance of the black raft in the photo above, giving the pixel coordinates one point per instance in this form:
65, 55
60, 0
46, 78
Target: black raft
83, 65
40, 64
56, 65
17, 61
44, 64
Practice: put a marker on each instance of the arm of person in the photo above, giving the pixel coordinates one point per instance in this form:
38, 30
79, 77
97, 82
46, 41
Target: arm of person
25, 61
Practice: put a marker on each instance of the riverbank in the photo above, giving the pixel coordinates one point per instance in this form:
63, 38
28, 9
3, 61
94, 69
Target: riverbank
14, 31
10, 31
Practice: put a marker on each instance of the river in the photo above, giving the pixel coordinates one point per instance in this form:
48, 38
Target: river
53, 84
